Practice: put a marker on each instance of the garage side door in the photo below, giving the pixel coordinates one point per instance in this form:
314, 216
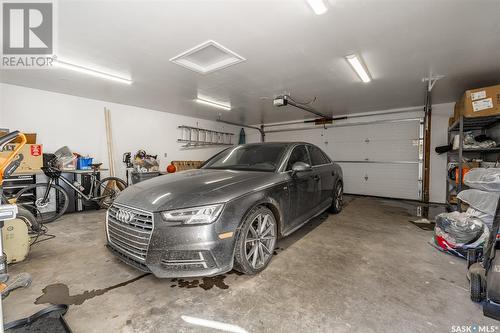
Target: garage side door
380, 159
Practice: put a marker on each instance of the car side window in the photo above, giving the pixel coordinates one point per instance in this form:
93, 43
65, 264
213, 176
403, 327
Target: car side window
317, 156
328, 159
299, 154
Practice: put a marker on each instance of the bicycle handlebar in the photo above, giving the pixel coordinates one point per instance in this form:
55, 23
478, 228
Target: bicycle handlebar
3, 141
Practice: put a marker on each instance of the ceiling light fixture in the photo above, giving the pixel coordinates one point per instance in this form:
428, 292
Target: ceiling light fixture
318, 6
215, 104
90, 71
207, 57
358, 67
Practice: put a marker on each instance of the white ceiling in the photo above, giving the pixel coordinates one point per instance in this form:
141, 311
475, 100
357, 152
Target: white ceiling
287, 49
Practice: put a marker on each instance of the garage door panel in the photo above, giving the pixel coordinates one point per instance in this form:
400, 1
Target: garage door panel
389, 142
392, 131
381, 179
393, 141
354, 174
393, 180
403, 150
346, 151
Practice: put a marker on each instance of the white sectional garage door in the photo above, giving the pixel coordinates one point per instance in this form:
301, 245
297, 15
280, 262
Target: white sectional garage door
380, 159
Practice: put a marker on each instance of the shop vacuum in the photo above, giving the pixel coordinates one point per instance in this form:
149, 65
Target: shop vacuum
484, 275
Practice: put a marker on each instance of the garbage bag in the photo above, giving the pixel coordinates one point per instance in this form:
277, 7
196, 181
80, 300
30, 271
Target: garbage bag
484, 201
486, 218
483, 179
458, 229
456, 232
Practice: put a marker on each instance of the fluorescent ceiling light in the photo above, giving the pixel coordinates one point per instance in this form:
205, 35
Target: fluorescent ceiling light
318, 6
90, 71
213, 103
358, 67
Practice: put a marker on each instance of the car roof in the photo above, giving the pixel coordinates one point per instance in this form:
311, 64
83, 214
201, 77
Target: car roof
284, 143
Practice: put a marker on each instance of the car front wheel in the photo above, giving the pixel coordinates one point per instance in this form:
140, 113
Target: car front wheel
256, 241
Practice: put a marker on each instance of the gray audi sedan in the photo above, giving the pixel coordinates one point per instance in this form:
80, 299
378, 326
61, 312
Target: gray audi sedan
228, 214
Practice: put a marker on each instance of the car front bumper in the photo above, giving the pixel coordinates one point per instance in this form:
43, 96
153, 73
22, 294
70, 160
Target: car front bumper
173, 250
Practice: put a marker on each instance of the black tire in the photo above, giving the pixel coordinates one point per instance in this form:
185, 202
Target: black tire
338, 198
33, 204
32, 223
261, 242
111, 187
472, 257
476, 288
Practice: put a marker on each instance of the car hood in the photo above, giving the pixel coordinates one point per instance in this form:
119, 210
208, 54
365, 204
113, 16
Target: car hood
193, 188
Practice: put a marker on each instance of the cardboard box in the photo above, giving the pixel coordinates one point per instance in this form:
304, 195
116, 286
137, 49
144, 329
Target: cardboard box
480, 102
32, 157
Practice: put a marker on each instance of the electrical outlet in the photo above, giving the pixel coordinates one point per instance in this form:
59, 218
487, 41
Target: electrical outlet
165, 155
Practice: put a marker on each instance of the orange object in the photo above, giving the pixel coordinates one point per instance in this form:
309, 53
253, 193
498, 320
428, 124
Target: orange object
171, 168
9, 159
464, 172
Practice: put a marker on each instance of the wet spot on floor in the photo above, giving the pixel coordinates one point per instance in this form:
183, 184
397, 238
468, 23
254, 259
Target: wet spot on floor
277, 250
216, 281
58, 293
206, 283
412, 208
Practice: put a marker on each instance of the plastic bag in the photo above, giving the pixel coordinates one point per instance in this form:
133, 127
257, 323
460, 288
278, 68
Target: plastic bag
483, 179
458, 229
65, 159
486, 218
456, 232
471, 142
486, 202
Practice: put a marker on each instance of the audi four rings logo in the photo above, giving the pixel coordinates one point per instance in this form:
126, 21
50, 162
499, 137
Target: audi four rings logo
124, 216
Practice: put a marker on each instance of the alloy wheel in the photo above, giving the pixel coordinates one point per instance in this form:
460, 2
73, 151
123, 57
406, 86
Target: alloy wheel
339, 197
260, 240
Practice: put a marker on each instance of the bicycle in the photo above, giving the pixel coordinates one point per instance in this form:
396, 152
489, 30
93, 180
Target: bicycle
48, 201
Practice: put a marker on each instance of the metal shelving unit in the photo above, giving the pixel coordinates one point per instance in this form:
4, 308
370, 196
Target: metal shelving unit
482, 124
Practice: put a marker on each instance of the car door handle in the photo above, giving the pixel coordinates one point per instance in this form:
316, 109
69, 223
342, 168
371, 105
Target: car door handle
316, 178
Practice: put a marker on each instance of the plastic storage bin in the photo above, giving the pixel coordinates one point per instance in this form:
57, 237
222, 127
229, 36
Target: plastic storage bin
84, 163
138, 177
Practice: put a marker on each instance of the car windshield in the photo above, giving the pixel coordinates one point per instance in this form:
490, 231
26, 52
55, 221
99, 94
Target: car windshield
248, 157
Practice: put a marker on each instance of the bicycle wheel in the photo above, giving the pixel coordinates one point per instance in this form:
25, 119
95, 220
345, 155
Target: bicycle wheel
48, 210
110, 187
34, 227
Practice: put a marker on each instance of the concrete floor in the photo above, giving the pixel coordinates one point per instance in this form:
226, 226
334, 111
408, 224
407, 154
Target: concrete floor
365, 270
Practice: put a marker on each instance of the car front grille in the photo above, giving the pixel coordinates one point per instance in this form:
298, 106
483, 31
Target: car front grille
130, 236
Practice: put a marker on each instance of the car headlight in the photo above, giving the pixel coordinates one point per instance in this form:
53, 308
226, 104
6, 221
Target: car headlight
195, 215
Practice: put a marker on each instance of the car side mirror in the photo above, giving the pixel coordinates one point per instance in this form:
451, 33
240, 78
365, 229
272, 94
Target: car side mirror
300, 167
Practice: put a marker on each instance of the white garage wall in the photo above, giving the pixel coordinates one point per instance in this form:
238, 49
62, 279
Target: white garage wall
77, 122
439, 137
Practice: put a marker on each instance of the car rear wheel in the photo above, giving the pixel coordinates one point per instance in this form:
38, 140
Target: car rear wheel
338, 198
256, 241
